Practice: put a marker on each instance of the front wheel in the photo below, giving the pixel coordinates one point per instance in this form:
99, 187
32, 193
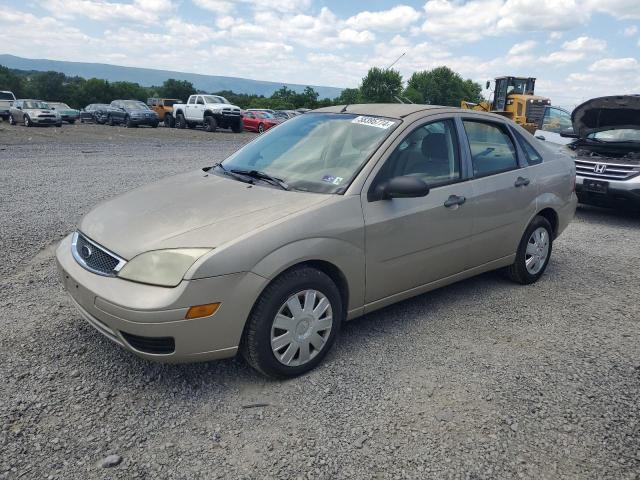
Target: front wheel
210, 124
110, 121
261, 128
128, 122
293, 324
27, 121
533, 252
237, 127
71, 122
11, 120
168, 121
180, 121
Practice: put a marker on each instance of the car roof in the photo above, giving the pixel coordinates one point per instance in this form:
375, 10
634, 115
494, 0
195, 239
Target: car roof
392, 110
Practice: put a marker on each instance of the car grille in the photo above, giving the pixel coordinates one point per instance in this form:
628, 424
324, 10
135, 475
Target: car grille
535, 110
606, 170
155, 345
46, 115
231, 112
95, 258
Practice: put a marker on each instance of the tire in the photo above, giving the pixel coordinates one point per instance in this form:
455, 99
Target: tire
256, 345
168, 121
128, 123
110, 121
154, 125
71, 122
59, 125
237, 127
210, 124
519, 272
11, 120
27, 121
180, 121
261, 128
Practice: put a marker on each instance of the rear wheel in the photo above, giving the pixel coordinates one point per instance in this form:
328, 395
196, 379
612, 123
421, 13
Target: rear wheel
210, 124
154, 125
180, 121
533, 252
71, 121
128, 122
293, 324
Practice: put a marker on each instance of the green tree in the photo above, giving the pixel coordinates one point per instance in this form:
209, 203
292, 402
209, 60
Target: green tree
381, 85
12, 82
443, 86
129, 91
348, 96
180, 89
47, 86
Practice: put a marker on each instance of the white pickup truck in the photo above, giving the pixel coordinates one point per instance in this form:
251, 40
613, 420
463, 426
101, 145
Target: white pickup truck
6, 100
210, 111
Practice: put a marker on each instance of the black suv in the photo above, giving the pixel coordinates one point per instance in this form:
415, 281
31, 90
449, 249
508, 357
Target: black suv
132, 113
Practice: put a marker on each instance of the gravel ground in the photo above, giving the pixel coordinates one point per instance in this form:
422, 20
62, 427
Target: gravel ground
481, 380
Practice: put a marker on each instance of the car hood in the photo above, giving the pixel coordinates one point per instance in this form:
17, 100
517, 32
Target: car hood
139, 111
68, 111
606, 113
194, 209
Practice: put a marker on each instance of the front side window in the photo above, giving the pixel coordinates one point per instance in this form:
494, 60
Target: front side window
430, 152
556, 120
316, 152
492, 150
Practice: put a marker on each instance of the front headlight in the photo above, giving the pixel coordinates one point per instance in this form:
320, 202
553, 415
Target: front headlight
165, 268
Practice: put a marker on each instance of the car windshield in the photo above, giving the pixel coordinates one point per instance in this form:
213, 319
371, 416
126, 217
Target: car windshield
214, 99
618, 135
35, 104
59, 105
6, 96
264, 115
134, 105
317, 152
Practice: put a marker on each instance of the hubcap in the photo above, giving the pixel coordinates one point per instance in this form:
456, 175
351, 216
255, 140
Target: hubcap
301, 328
537, 250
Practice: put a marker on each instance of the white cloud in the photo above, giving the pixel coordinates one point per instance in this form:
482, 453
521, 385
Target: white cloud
620, 9
630, 31
349, 35
541, 15
585, 44
523, 47
615, 65
562, 57
461, 22
143, 11
394, 19
216, 6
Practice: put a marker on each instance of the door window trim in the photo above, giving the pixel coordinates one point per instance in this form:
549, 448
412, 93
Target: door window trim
521, 161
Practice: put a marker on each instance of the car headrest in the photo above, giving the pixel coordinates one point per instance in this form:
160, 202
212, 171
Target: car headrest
434, 145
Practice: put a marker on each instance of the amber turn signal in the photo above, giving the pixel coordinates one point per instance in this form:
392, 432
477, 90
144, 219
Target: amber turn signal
199, 311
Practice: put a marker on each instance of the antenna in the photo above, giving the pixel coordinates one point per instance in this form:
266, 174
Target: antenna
397, 59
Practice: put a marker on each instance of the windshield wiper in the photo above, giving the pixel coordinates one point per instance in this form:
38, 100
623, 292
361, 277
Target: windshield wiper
240, 178
262, 176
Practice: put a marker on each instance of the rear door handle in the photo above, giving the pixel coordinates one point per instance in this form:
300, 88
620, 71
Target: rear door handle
454, 200
522, 182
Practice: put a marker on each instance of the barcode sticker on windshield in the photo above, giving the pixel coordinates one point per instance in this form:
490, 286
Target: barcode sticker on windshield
374, 122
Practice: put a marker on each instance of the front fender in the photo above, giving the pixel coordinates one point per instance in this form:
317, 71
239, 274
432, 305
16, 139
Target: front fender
348, 258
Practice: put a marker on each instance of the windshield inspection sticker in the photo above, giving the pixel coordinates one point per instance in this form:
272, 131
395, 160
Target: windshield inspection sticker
374, 122
332, 179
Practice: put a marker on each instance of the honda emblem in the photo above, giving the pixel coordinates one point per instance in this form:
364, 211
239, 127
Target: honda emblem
600, 168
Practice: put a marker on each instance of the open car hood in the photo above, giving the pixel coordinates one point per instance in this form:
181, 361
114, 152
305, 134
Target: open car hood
606, 113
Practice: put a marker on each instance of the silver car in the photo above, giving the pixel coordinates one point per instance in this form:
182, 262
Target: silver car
328, 216
33, 112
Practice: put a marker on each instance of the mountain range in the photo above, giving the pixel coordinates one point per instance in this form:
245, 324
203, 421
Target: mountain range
148, 77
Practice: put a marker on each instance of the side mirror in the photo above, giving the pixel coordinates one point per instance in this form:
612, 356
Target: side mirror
568, 133
402, 187
19, 108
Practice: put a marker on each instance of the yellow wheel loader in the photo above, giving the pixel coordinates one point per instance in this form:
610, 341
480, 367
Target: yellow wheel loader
513, 97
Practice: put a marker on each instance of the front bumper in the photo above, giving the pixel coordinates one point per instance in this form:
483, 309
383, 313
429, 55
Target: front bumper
123, 311
45, 120
145, 120
625, 192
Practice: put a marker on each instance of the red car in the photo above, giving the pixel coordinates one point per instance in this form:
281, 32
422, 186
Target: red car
259, 121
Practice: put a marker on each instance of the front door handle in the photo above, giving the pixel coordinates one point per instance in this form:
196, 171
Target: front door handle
522, 182
454, 200
540, 137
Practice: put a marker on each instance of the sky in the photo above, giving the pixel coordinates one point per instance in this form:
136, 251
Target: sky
577, 49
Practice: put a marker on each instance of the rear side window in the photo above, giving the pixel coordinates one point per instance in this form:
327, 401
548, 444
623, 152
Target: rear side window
492, 150
533, 157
